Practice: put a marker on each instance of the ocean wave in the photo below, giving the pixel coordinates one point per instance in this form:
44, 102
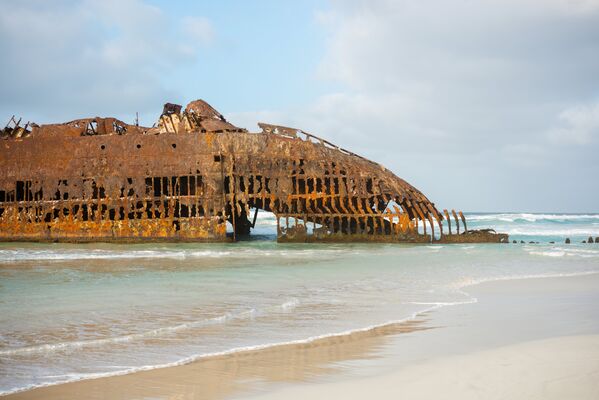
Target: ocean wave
52, 347
563, 252
583, 232
236, 350
239, 253
473, 282
290, 305
548, 253
266, 222
528, 217
34, 255
250, 314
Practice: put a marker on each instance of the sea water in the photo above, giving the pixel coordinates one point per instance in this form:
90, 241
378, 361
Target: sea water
71, 312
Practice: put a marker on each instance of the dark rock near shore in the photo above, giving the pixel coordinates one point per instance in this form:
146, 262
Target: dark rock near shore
567, 240
515, 241
552, 242
590, 239
522, 241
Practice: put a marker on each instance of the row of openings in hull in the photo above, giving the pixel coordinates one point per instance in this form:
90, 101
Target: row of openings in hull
324, 186
315, 195
113, 212
330, 185
174, 186
347, 225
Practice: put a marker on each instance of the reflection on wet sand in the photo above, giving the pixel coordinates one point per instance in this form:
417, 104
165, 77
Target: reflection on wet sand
221, 376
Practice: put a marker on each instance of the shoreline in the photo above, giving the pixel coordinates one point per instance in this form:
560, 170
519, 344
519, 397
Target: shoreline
556, 368
410, 324
382, 335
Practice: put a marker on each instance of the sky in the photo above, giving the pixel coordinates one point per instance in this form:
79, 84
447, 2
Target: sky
483, 105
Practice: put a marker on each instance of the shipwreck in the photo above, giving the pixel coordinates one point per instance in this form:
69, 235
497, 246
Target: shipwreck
193, 174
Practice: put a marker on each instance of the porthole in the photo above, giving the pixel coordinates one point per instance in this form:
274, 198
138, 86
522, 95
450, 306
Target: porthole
103, 147
139, 146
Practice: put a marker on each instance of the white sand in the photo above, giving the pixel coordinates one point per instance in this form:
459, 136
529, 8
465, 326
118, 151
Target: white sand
559, 368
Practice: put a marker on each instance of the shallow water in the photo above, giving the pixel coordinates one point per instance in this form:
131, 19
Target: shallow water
71, 312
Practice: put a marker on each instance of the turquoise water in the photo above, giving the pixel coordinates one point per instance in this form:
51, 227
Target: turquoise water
70, 312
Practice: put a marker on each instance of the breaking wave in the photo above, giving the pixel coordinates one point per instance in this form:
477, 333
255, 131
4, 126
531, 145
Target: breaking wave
242, 349
153, 333
565, 252
10, 255
583, 232
527, 217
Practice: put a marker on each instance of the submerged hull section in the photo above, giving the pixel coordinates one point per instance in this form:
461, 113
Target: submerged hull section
103, 180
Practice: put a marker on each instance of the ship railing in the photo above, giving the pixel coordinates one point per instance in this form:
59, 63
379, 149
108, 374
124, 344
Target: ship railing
295, 133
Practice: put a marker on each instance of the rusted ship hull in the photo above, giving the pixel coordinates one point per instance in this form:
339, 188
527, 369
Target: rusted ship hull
104, 180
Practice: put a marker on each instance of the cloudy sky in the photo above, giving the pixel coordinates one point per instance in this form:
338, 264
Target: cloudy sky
483, 105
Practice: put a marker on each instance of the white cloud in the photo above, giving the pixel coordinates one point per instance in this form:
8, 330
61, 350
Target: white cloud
79, 58
579, 125
199, 29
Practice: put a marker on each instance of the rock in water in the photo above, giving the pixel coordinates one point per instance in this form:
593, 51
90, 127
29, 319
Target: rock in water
590, 239
567, 240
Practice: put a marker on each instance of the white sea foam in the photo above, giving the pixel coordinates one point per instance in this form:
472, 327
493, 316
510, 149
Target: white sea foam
266, 222
543, 225
564, 252
52, 347
77, 377
240, 253
473, 282
153, 333
542, 231
290, 305
35, 255
548, 253
528, 217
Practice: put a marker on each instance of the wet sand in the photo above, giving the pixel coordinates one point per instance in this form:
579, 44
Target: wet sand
558, 368
533, 338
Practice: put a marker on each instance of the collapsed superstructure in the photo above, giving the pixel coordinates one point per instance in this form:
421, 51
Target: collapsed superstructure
100, 179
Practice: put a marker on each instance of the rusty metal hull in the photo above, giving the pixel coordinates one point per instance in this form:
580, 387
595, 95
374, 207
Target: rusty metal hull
475, 237
103, 180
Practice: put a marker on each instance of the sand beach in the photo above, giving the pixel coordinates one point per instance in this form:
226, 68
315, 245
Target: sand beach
520, 339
